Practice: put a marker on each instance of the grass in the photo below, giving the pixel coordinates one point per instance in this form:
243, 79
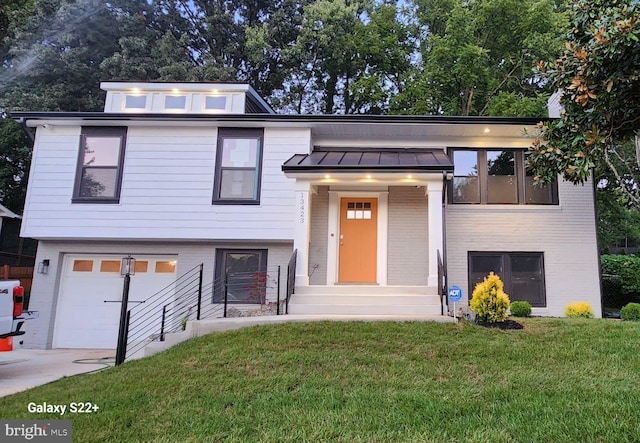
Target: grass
569, 380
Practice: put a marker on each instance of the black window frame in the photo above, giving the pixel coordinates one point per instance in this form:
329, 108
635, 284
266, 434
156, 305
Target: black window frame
237, 133
99, 131
220, 277
506, 274
483, 178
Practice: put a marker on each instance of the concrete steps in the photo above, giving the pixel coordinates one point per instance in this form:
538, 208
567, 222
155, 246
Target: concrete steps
365, 300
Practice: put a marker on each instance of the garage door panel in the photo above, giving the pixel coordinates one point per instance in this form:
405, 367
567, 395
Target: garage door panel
83, 319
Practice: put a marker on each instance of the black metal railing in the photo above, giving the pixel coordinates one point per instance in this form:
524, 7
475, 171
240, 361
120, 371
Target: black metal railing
189, 298
168, 310
291, 279
249, 288
442, 284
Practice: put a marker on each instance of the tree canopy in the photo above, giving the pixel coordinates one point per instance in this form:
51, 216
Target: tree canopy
477, 57
599, 76
454, 57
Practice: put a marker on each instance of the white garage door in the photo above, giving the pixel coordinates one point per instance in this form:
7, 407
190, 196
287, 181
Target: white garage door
83, 319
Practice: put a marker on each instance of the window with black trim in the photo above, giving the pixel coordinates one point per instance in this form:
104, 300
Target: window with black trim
238, 166
496, 176
244, 273
521, 272
100, 161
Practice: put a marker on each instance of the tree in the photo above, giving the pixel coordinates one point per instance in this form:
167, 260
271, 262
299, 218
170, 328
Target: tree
15, 159
616, 220
328, 56
477, 57
599, 76
54, 55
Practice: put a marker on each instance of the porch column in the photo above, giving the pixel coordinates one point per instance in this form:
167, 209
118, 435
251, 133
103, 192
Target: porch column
302, 224
434, 195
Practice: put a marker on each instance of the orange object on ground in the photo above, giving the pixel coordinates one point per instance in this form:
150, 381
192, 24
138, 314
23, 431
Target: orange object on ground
6, 344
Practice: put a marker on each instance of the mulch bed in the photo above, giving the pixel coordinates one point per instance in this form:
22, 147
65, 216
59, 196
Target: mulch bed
505, 325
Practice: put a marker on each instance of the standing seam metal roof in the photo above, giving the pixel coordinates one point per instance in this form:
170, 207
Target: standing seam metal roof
356, 159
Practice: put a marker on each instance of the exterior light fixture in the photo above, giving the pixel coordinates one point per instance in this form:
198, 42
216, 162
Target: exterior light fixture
327, 176
136, 90
176, 91
128, 266
409, 176
487, 130
368, 175
43, 267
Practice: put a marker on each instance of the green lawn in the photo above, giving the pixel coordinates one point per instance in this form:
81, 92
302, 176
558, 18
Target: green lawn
558, 380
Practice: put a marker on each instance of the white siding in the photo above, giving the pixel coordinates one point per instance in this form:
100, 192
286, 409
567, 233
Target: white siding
566, 234
45, 290
166, 192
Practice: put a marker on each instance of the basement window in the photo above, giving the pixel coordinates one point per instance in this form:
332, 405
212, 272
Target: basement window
245, 274
521, 272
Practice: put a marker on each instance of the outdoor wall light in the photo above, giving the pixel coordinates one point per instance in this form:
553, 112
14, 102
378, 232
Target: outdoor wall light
128, 266
43, 266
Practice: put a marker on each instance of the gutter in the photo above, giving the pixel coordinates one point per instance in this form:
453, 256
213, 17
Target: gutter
23, 123
290, 118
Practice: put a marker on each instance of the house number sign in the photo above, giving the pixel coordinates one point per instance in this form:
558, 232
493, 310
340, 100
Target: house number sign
301, 205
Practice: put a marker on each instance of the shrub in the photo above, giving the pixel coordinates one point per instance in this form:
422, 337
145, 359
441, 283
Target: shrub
520, 309
631, 311
489, 301
579, 309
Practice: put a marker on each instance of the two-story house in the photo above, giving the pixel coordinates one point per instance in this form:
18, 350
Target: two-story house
181, 174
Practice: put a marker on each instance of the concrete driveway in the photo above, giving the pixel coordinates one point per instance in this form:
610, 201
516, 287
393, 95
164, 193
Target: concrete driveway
23, 369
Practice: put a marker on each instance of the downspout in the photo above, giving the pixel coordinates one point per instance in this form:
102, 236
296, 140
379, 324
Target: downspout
597, 228
29, 131
23, 123
444, 239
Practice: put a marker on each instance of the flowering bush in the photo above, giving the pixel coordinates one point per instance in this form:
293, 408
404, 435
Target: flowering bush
489, 300
579, 309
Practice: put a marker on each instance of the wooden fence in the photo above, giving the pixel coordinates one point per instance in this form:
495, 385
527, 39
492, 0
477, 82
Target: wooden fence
22, 273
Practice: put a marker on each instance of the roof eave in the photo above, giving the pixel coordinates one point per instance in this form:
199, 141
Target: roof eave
363, 169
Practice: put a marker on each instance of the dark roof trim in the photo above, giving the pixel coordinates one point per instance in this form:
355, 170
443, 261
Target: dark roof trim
365, 159
348, 118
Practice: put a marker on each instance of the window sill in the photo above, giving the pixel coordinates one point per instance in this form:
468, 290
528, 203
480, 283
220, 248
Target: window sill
504, 208
95, 201
236, 202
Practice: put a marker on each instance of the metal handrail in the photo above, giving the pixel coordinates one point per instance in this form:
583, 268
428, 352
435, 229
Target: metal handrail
291, 279
165, 311
442, 284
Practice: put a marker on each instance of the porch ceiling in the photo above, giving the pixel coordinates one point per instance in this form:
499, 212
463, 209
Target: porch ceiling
337, 160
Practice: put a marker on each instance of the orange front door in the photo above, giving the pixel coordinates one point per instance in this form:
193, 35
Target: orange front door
358, 240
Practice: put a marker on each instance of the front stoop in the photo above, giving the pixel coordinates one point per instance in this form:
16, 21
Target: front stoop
365, 300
